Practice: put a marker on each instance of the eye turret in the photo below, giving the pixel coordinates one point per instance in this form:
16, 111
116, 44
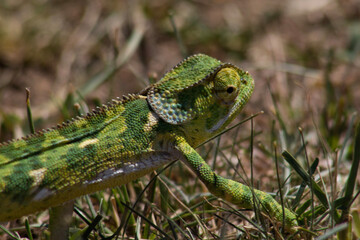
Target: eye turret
227, 84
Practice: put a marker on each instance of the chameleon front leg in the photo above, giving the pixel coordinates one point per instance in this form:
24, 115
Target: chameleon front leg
60, 220
233, 191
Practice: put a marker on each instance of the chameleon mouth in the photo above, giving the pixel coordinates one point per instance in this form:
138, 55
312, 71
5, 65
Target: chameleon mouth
219, 123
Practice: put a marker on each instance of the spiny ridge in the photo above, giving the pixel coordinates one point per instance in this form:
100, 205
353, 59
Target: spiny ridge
97, 111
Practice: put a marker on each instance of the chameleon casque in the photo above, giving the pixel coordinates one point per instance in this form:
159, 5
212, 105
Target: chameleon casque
131, 137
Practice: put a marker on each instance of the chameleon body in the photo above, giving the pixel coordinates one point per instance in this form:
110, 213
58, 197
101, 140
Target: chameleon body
131, 137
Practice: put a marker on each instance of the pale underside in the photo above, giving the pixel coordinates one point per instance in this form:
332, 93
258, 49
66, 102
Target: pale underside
44, 198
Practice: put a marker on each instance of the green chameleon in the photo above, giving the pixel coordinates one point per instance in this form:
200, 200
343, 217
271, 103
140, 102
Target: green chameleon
131, 137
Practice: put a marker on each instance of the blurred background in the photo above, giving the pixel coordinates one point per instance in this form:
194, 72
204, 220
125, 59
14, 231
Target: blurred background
54, 47
303, 55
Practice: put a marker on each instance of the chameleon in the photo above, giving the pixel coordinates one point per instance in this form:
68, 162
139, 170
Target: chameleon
130, 137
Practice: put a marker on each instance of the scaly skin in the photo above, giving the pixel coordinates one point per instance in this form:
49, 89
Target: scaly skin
129, 138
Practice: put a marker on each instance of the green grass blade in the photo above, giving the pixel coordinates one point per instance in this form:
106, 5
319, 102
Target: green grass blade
356, 219
351, 181
302, 208
28, 110
305, 176
9, 233
28, 229
300, 192
333, 231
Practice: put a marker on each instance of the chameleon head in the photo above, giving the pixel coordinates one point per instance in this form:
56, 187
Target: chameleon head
201, 94
232, 88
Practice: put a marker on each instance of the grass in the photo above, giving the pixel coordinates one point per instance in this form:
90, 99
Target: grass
304, 149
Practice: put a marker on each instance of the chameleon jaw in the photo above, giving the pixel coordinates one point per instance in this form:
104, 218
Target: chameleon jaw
219, 124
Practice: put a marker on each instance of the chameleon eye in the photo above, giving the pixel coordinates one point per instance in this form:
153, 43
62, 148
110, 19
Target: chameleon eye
230, 89
226, 85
